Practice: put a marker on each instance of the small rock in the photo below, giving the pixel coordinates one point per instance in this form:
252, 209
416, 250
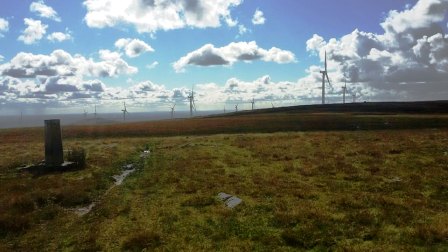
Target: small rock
145, 154
394, 180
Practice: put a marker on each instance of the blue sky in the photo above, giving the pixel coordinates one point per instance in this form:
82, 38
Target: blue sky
219, 48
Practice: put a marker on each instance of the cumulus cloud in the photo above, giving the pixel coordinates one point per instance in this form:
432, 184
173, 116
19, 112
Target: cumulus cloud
34, 32
258, 18
411, 54
94, 86
61, 63
1, 58
59, 91
59, 36
209, 55
4, 26
45, 11
133, 47
149, 16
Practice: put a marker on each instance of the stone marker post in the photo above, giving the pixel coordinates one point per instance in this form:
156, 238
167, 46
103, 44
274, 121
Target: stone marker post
54, 155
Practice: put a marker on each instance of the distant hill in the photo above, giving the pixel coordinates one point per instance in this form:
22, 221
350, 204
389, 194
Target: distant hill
95, 121
421, 107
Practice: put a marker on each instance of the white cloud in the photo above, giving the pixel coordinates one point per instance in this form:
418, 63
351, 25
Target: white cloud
60, 63
411, 51
35, 31
209, 55
59, 36
4, 26
242, 29
258, 18
424, 14
153, 65
149, 16
133, 47
1, 58
44, 10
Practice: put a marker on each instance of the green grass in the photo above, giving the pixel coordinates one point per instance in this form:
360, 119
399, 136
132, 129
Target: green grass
361, 190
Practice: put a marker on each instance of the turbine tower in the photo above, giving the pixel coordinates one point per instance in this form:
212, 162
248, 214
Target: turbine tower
124, 110
354, 97
324, 75
344, 90
94, 114
172, 111
192, 105
253, 103
236, 108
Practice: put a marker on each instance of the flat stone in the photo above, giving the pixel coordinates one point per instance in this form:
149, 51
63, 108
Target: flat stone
223, 196
233, 202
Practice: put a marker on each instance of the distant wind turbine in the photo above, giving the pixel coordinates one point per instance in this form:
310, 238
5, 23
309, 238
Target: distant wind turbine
172, 110
272, 105
95, 114
324, 76
124, 110
344, 89
191, 100
236, 108
253, 103
85, 113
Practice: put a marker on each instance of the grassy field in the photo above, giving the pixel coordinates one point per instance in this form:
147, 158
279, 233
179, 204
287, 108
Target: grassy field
364, 182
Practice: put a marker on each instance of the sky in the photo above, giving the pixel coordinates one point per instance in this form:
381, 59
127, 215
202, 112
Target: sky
69, 56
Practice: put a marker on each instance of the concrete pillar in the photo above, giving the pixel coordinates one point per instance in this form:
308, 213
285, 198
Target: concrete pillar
54, 155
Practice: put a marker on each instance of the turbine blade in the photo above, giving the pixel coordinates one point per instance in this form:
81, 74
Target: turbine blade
328, 79
325, 61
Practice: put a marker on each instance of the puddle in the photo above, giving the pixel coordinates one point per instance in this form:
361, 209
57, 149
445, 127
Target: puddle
126, 171
120, 178
80, 211
145, 154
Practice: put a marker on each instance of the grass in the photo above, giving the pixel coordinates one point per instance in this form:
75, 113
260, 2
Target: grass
382, 190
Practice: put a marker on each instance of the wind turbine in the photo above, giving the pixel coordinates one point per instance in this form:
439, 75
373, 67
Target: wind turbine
344, 89
172, 110
354, 97
236, 108
324, 75
272, 105
124, 111
94, 114
85, 113
253, 103
224, 108
192, 105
